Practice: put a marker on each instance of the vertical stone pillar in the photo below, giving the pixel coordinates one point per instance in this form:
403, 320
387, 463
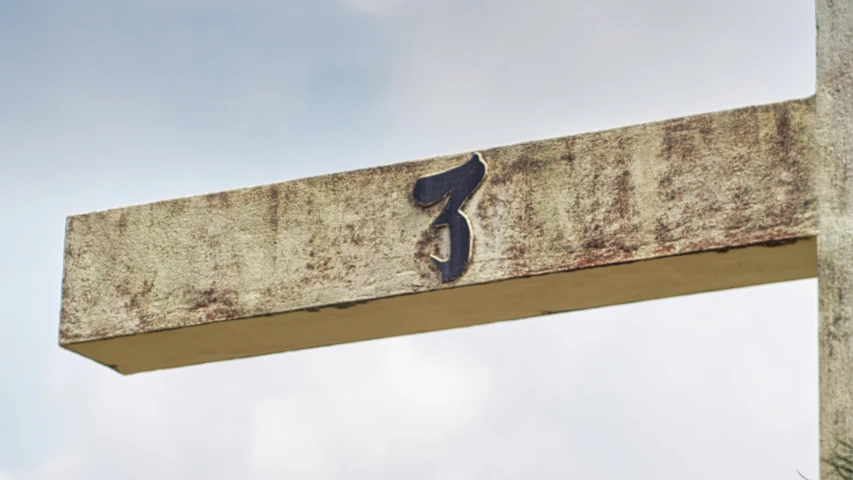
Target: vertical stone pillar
834, 156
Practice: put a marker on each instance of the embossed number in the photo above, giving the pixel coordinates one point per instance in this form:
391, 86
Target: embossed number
459, 183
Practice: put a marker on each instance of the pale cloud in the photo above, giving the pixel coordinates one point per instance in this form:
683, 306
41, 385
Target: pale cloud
314, 414
70, 463
408, 398
375, 7
286, 442
479, 73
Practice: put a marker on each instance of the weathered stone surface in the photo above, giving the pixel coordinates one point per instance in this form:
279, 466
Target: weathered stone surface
577, 222
834, 158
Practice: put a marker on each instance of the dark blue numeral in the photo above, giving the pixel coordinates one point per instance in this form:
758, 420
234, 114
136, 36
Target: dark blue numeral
459, 183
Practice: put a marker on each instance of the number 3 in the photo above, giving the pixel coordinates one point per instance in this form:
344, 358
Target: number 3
459, 183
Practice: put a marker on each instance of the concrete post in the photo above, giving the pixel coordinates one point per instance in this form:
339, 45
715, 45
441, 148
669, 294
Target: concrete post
834, 142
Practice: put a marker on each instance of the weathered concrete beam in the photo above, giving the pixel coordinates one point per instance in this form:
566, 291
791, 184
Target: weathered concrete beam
689, 205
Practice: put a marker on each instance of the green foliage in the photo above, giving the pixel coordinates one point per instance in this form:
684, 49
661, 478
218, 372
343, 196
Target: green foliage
841, 461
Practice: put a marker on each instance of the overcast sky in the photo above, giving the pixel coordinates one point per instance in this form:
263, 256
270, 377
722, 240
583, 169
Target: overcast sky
107, 103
